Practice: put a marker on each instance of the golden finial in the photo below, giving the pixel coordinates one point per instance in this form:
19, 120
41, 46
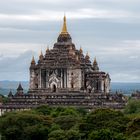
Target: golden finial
81, 50
33, 60
64, 28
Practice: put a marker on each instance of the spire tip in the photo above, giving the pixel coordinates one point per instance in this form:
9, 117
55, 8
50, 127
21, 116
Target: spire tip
64, 28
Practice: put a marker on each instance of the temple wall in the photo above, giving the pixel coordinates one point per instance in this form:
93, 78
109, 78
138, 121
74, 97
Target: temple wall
32, 77
107, 85
102, 85
74, 78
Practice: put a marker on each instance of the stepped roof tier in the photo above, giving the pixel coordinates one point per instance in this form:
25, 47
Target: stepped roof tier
63, 54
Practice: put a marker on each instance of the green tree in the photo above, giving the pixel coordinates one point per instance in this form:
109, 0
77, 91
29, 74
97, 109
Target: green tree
106, 118
57, 135
36, 132
133, 106
56, 111
103, 119
67, 122
69, 111
21, 125
133, 128
105, 134
73, 134
133, 138
3, 99
44, 109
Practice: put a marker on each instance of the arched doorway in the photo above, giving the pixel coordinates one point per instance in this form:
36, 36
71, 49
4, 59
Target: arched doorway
54, 88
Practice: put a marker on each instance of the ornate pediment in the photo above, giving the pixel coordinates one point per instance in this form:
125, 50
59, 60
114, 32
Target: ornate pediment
53, 78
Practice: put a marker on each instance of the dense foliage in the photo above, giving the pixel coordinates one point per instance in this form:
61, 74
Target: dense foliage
59, 123
3, 99
132, 107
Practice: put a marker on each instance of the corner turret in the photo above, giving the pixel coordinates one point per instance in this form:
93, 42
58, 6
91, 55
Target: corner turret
95, 65
41, 56
19, 90
10, 95
81, 50
33, 61
87, 58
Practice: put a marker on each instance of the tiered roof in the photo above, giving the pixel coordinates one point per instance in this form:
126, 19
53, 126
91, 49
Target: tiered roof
64, 54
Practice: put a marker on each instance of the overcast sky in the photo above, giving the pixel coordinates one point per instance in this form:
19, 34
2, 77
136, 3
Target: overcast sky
107, 29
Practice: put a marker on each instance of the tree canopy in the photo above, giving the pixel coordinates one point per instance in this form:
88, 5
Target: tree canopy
69, 123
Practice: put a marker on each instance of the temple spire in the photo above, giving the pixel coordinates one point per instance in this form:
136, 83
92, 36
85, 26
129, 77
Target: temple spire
81, 50
64, 28
64, 36
33, 61
47, 49
95, 65
95, 61
41, 55
87, 56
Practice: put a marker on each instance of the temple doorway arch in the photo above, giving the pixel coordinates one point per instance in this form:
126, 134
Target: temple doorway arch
54, 88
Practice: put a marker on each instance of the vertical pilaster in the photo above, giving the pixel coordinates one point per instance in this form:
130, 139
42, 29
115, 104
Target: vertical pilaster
102, 85
40, 85
61, 79
46, 78
64, 78
32, 77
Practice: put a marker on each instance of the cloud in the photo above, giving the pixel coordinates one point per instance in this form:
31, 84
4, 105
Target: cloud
108, 29
48, 15
121, 60
15, 68
16, 49
54, 10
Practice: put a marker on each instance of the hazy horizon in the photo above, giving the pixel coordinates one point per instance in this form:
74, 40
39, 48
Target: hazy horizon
125, 88
28, 81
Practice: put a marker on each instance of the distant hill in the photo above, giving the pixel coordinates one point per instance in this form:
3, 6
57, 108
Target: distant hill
6, 86
126, 88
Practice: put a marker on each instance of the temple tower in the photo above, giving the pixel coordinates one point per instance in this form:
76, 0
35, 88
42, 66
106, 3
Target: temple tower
65, 68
